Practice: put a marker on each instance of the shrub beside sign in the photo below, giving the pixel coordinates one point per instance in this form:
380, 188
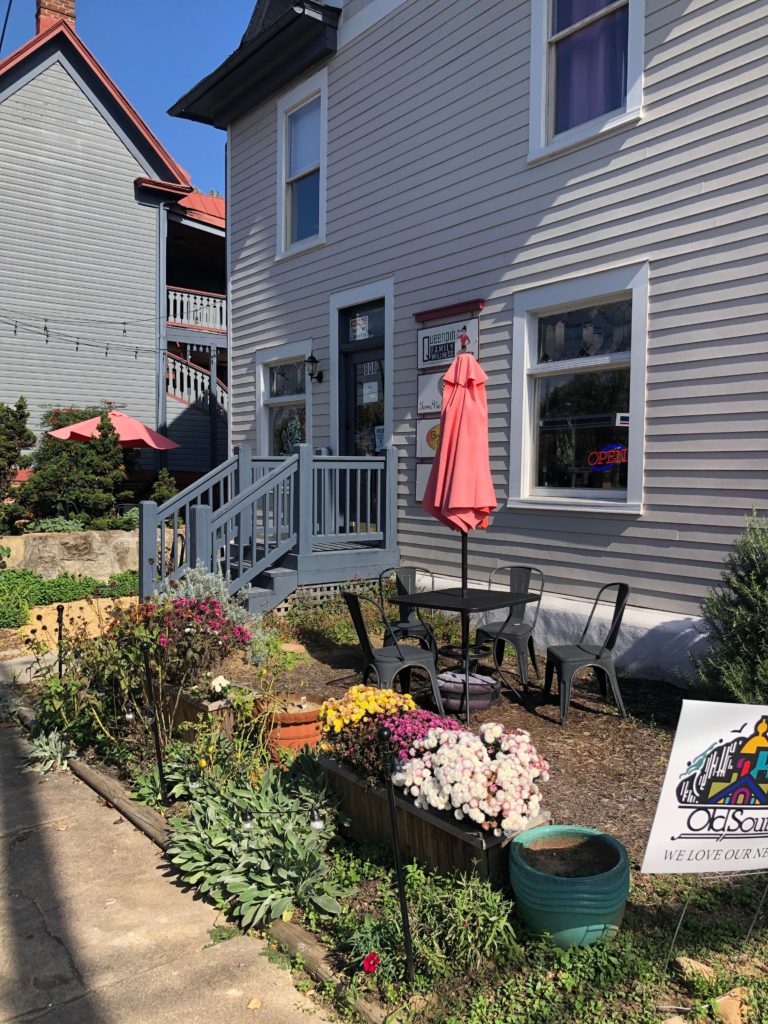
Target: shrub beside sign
713, 812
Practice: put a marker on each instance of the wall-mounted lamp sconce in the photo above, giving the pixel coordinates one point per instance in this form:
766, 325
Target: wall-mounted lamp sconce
312, 371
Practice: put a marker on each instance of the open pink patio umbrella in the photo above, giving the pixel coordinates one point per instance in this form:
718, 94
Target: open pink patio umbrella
131, 433
460, 490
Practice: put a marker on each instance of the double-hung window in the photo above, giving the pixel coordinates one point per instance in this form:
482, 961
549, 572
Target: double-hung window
586, 69
301, 166
579, 392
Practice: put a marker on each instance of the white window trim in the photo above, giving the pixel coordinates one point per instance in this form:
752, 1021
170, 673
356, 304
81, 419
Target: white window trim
562, 295
540, 145
273, 356
353, 297
315, 85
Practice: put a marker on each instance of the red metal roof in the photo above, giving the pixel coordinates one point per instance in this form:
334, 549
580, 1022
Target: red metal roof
208, 209
178, 175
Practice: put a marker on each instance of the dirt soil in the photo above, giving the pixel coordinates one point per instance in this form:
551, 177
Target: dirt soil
570, 856
606, 772
94, 612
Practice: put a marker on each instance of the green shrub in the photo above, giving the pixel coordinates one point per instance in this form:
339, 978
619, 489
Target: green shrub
15, 437
32, 589
84, 478
128, 521
266, 650
14, 611
164, 488
735, 615
122, 584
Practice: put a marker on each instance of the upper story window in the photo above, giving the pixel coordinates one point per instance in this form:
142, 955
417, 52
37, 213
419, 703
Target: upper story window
586, 70
301, 166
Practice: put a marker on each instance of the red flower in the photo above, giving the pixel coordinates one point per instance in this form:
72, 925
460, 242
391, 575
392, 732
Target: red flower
371, 962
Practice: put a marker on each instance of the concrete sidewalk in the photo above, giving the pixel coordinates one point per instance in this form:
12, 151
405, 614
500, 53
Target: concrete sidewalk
93, 931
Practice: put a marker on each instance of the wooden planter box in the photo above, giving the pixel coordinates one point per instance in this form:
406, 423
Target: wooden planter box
189, 709
429, 837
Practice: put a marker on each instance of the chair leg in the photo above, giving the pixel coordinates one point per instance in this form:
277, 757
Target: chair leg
436, 690
610, 671
532, 652
521, 653
548, 674
498, 655
565, 695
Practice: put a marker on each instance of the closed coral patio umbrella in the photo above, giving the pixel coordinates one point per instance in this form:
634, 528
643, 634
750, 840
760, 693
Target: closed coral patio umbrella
131, 433
460, 490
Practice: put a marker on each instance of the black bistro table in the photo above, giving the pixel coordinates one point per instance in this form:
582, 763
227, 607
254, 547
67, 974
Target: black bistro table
466, 601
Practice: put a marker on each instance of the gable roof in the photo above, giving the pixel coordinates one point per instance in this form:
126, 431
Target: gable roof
62, 37
282, 41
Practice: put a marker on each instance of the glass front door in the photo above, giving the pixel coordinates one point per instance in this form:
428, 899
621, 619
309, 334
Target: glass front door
361, 337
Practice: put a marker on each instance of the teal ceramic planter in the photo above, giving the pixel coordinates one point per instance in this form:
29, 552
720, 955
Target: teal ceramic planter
574, 911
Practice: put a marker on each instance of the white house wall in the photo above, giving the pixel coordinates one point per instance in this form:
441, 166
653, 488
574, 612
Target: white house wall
428, 184
76, 248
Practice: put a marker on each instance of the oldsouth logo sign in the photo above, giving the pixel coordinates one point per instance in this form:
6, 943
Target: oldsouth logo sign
713, 812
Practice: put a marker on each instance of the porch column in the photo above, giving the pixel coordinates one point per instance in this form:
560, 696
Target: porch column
212, 404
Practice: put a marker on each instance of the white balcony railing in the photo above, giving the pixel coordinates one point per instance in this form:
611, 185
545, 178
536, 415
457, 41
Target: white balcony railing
190, 384
203, 311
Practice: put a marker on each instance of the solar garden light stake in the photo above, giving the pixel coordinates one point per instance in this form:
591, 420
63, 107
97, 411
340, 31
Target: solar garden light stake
152, 719
384, 735
60, 627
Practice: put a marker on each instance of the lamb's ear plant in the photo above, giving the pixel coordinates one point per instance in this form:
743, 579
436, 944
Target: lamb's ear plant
9, 707
48, 752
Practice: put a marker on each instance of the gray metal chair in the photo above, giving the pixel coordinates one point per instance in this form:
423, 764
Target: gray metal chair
567, 659
514, 629
410, 623
387, 662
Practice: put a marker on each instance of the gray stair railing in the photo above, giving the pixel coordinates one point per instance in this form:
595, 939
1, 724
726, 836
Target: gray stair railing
164, 549
354, 499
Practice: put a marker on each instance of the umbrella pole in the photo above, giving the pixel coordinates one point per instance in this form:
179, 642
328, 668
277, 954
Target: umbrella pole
464, 572
465, 621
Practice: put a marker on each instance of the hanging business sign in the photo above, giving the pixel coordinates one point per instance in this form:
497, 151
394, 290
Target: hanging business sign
431, 387
427, 438
437, 346
713, 812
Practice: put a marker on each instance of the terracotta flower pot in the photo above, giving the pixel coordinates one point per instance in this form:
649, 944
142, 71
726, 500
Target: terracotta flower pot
295, 725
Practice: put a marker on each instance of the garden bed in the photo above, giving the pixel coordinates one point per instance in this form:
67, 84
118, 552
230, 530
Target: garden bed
431, 838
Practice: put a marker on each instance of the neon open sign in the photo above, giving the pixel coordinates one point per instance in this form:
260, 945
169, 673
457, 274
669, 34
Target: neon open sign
609, 455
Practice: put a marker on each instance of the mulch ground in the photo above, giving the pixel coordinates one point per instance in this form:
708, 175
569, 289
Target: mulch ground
606, 772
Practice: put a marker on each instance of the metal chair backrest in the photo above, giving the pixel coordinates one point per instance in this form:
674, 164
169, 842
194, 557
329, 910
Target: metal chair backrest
406, 582
622, 596
521, 579
358, 621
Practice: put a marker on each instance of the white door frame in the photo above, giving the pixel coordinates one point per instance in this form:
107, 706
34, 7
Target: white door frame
373, 292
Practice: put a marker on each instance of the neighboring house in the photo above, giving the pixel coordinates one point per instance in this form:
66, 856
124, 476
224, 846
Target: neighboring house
112, 269
584, 181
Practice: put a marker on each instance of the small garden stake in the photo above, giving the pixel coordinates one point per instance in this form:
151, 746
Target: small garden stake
154, 724
60, 627
384, 735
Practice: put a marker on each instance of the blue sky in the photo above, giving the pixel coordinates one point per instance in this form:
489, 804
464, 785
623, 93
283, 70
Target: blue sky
155, 50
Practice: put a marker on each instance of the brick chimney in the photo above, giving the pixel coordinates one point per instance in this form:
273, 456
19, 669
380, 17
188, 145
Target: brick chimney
51, 11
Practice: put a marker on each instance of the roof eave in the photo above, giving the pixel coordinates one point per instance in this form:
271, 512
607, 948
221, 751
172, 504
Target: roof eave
253, 73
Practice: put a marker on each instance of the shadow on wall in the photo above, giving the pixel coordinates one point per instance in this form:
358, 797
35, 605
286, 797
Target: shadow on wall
191, 428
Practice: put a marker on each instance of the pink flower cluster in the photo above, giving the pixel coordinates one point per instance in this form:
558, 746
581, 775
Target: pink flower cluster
414, 725
186, 618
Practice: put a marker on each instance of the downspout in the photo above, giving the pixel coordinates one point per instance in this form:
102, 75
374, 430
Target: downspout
161, 305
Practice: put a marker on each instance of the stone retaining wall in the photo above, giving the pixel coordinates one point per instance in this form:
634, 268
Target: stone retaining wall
97, 553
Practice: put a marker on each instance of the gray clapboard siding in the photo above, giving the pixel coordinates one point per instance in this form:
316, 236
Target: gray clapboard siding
428, 183
75, 246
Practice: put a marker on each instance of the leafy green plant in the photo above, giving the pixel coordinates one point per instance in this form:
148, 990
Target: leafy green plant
127, 521
266, 649
15, 437
5, 552
48, 752
9, 707
14, 610
164, 487
735, 615
75, 478
254, 850
57, 524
